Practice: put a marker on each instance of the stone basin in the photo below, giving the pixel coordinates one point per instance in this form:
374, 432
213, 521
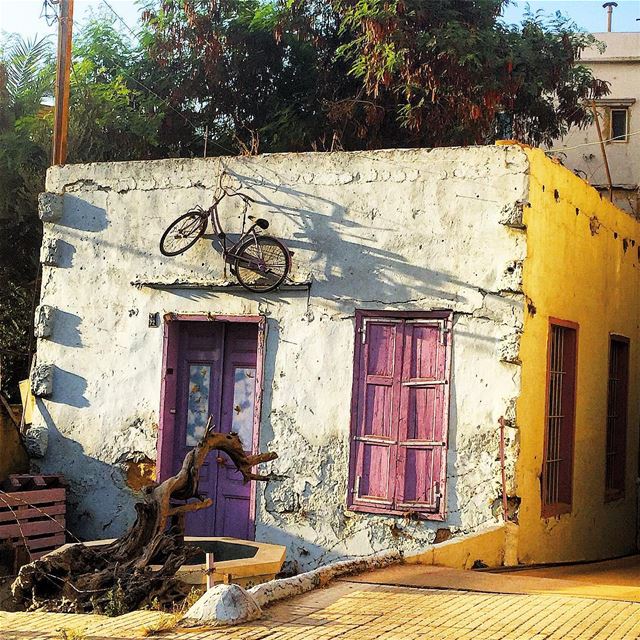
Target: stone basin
243, 562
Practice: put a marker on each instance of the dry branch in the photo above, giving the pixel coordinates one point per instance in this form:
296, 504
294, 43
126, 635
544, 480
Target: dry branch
139, 567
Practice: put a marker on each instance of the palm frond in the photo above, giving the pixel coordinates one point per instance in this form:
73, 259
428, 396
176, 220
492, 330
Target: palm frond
24, 60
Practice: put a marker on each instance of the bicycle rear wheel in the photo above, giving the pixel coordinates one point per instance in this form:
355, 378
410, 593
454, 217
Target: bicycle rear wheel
183, 233
262, 264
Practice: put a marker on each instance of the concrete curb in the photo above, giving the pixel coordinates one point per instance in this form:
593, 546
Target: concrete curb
276, 590
227, 605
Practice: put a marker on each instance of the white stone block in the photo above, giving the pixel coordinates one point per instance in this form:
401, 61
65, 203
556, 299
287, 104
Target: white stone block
225, 604
43, 325
42, 380
50, 206
49, 254
36, 441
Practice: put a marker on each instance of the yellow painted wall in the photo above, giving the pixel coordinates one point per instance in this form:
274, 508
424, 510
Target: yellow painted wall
493, 547
582, 265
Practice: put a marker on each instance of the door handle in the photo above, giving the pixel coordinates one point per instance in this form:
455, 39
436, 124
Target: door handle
172, 411
220, 460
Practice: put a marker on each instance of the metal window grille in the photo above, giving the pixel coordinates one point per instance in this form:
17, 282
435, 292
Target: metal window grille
616, 416
558, 460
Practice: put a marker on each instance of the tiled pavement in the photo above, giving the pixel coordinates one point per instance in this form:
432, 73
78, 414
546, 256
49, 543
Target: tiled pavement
368, 612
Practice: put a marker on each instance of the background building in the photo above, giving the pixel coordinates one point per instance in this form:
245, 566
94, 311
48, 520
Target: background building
619, 116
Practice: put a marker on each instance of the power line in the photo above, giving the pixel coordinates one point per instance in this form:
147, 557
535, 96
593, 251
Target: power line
163, 100
589, 144
117, 15
49, 12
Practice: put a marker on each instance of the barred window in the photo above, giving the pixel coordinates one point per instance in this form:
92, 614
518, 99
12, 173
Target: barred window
560, 419
616, 417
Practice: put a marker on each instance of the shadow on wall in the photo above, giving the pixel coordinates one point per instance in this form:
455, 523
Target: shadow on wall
65, 253
69, 388
364, 270
66, 329
355, 260
302, 555
99, 503
264, 301
363, 267
85, 216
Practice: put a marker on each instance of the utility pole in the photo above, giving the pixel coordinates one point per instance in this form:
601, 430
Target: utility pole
63, 72
603, 149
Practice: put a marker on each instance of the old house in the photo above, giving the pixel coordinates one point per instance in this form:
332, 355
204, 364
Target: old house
433, 292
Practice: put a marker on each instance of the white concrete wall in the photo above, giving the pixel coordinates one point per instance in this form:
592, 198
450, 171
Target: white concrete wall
400, 230
618, 64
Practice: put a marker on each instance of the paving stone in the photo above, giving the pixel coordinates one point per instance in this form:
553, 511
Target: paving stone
372, 612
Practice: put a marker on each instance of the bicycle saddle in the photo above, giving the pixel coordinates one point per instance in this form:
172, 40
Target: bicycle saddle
260, 222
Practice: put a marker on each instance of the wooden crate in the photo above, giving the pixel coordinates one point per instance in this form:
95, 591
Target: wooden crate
32, 513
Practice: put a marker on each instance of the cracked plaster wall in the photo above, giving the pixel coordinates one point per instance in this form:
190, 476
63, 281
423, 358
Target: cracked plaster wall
398, 230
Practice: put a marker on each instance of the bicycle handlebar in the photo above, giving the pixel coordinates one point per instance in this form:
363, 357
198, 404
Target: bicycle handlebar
244, 196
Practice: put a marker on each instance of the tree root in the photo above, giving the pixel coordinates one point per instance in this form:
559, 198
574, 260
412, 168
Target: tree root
138, 569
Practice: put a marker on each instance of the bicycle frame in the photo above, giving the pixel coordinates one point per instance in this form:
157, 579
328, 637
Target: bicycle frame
229, 253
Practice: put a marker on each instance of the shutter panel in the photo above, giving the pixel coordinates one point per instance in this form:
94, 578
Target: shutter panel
376, 432
423, 423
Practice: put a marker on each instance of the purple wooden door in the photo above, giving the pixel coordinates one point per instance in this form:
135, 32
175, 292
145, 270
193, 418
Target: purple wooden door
233, 496
199, 386
216, 375
401, 409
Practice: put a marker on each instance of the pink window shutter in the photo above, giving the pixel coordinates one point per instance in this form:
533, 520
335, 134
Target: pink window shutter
422, 448
400, 413
376, 433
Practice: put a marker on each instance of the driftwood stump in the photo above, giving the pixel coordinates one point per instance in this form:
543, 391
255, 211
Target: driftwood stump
138, 569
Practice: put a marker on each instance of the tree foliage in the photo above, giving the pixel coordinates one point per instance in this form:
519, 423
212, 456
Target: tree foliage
449, 70
23, 86
353, 74
253, 72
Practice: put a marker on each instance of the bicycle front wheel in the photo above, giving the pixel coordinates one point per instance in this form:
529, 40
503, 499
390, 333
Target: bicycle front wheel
262, 264
183, 233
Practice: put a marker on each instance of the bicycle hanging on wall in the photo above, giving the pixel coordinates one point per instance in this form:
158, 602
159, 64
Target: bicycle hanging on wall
260, 262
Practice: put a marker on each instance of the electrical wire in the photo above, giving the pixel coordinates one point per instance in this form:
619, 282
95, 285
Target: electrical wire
151, 91
589, 144
117, 15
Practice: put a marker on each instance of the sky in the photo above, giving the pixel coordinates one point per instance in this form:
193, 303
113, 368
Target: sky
23, 16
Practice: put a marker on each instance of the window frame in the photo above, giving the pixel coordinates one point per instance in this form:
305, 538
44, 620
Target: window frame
624, 138
362, 316
612, 494
549, 510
